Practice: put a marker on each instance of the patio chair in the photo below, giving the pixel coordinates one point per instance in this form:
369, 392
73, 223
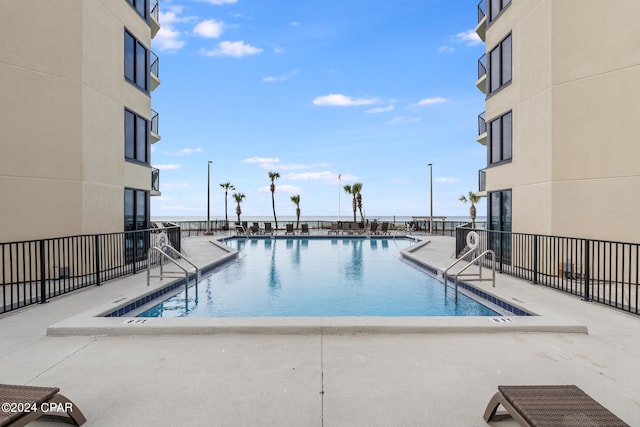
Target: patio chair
305, 229
549, 405
384, 228
240, 229
289, 230
333, 229
346, 228
45, 403
267, 228
255, 228
374, 228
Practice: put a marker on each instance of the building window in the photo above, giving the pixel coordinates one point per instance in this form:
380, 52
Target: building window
499, 206
136, 62
496, 7
136, 137
500, 134
500, 65
141, 6
136, 209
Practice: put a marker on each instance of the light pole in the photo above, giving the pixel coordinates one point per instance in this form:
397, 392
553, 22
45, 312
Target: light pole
430, 198
209, 232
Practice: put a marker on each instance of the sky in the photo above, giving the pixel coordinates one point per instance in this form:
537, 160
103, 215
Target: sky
370, 91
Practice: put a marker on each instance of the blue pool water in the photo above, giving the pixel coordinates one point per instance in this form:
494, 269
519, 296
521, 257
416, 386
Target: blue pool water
317, 277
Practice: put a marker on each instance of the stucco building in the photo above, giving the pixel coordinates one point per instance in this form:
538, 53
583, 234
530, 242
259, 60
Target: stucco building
562, 107
76, 123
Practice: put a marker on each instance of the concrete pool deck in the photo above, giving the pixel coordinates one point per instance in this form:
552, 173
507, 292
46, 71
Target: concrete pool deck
319, 377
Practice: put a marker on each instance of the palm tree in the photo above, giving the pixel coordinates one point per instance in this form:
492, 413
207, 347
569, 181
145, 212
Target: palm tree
273, 176
357, 189
239, 197
349, 190
296, 199
227, 186
473, 198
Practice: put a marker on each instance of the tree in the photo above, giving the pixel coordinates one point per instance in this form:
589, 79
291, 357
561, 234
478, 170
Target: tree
357, 189
238, 197
273, 176
473, 198
350, 190
227, 186
296, 199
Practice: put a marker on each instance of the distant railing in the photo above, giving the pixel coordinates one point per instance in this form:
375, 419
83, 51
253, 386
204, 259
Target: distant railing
155, 64
155, 179
441, 228
155, 122
482, 180
155, 10
482, 124
482, 10
482, 66
596, 270
37, 270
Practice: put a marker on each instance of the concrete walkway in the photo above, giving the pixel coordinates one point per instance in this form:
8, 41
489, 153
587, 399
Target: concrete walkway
315, 379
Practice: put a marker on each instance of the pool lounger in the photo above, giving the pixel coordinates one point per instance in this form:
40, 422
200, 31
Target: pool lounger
42, 402
550, 405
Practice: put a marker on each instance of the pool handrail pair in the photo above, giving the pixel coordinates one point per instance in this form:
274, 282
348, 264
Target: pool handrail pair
469, 264
163, 254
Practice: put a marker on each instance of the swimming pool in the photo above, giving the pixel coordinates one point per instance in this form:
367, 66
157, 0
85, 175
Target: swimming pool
317, 277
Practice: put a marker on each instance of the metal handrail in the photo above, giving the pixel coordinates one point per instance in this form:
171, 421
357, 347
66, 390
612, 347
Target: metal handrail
479, 274
154, 68
164, 254
482, 66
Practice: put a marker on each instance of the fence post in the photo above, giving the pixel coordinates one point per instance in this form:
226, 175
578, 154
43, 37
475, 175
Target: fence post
587, 271
43, 286
97, 258
535, 259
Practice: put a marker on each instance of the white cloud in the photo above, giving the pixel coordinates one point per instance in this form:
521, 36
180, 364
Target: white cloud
380, 110
280, 78
294, 23
219, 2
320, 176
236, 49
269, 160
447, 180
168, 167
167, 39
404, 120
210, 29
446, 49
339, 100
430, 101
469, 37
183, 152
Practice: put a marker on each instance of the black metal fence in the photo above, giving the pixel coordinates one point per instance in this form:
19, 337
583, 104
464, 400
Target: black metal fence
596, 270
482, 66
440, 227
36, 270
482, 7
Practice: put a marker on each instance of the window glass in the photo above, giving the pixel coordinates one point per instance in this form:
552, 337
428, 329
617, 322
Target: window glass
494, 69
506, 60
494, 211
506, 136
141, 210
129, 59
506, 211
141, 7
141, 139
129, 134
496, 141
142, 70
129, 210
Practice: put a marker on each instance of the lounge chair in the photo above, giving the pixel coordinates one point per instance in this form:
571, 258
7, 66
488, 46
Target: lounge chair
305, 229
374, 228
346, 228
549, 405
289, 230
384, 228
267, 228
240, 229
333, 229
255, 228
45, 402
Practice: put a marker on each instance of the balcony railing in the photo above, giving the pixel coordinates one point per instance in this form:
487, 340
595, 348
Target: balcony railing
482, 10
155, 121
482, 180
155, 179
155, 10
155, 64
482, 124
482, 66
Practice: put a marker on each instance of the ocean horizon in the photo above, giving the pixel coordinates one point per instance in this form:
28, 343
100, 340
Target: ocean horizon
292, 218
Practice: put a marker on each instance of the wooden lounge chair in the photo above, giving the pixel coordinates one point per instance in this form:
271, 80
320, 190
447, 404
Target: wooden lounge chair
550, 405
289, 230
267, 228
333, 229
384, 228
305, 229
44, 402
373, 228
255, 228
